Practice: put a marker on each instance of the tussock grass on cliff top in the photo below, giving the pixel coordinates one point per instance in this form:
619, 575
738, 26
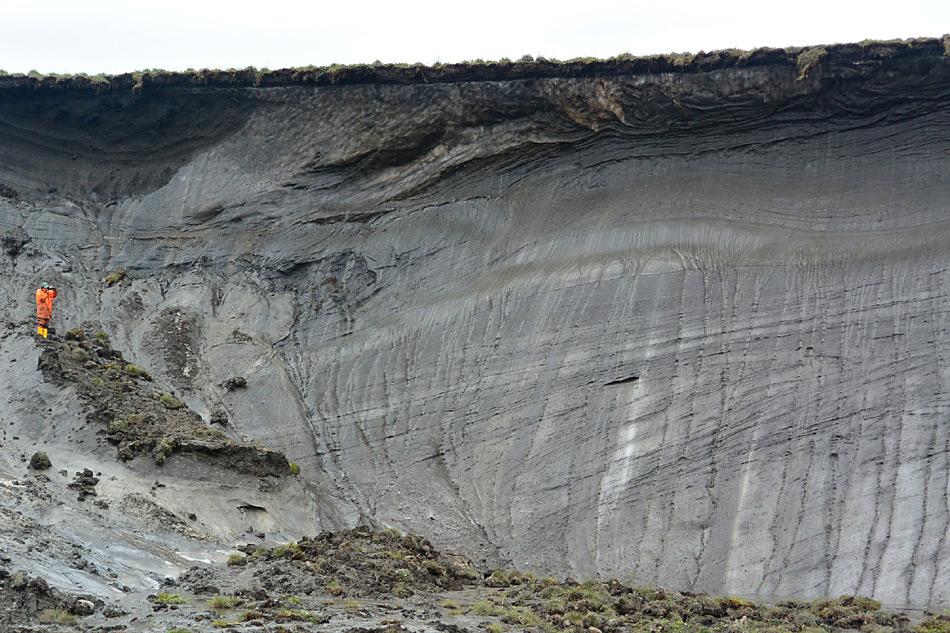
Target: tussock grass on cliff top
504, 68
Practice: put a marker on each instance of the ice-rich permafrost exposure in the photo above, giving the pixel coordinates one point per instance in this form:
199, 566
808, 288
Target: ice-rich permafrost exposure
678, 321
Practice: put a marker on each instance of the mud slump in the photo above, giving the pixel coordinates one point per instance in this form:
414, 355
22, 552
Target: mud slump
137, 417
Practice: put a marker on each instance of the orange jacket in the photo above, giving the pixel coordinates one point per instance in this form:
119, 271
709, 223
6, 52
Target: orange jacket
44, 303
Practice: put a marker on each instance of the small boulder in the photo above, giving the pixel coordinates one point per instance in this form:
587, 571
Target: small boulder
40, 461
82, 608
237, 382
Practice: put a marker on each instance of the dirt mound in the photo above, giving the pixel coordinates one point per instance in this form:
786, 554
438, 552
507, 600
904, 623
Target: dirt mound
358, 562
138, 418
24, 600
541, 603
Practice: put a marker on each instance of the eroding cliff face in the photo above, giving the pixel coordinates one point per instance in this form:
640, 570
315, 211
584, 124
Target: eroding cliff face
682, 327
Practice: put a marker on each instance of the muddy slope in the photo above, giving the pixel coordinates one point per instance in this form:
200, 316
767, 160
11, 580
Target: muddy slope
678, 325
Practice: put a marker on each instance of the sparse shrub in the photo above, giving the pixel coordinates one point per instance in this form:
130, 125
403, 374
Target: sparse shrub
735, 602
520, 616
352, 606
96, 381
449, 604
485, 608
221, 603
56, 616
75, 334
165, 447
236, 560
222, 624
334, 588
102, 337
402, 590
169, 401
296, 615
294, 468
936, 624
498, 578
114, 277
125, 423
169, 598
250, 616
494, 627
137, 372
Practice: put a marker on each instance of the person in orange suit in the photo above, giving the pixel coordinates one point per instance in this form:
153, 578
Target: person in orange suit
44, 308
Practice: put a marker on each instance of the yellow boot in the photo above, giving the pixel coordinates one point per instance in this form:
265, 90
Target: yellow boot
42, 331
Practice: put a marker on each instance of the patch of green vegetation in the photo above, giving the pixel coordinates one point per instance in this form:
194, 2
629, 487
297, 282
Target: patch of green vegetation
163, 449
935, 624
494, 627
353, 606
287, 550
114, 277
102, 337
293, 600
402, 589
80, 355
169, 598
169, 401
521, 616
250, 616
334, 588
126, 423
223, 624
237, 560
222, 603
294, 615
137, 372
449, 604
485, 608
75, 334
498, 578
179, 631
294, 468
392, 533
96, 381
56, 616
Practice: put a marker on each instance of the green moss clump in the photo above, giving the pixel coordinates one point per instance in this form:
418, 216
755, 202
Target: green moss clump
294, 468
237, 560
294, 615
137, 372
114, 277
124, 424
936, 624
169, 598
169, 401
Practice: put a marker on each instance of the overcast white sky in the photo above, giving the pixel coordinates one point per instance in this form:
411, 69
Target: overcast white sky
122, 35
